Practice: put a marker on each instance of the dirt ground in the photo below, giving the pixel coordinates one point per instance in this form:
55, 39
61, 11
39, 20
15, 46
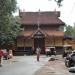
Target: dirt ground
56, 67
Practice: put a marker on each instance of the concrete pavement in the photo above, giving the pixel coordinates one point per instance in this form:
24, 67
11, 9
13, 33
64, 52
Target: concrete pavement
23, 65
56, 67
28, 65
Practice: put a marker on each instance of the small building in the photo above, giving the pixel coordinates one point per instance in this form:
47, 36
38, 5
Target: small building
69, 41
40, 29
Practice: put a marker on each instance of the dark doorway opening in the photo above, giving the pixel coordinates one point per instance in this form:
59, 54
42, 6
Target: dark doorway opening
39, 42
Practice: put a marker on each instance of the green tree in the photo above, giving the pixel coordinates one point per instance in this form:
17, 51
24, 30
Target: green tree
7, 7
9, 27
9, 34
73, 32
69, 31
13, 30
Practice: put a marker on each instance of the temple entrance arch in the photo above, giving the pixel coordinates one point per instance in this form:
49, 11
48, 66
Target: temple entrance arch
39, 41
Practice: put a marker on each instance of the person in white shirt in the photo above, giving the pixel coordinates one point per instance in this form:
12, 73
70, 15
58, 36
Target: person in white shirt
38, 50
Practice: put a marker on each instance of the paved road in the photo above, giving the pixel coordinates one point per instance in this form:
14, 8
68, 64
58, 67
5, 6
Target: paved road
22, 65
56, 67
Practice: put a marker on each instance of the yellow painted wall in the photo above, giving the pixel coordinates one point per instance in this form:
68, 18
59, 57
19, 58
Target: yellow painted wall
58, 41
29, 43
53, 41
48, 42
70, 42
20, 43
25, 43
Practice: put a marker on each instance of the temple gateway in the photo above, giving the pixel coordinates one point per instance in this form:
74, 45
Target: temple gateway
40, 29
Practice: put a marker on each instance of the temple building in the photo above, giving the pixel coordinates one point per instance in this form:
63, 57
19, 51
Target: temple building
40, 29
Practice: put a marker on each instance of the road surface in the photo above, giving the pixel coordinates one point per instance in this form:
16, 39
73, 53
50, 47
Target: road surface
56, 67
22, 65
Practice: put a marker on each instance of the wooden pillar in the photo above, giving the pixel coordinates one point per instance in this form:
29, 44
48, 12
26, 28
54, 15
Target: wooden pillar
16, 43
24, 44
62, 41
33, 44
54, 40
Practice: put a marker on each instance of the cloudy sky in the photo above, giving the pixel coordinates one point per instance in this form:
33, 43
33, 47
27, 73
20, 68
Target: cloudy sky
67, 10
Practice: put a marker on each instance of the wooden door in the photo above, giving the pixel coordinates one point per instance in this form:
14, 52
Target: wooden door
39, 42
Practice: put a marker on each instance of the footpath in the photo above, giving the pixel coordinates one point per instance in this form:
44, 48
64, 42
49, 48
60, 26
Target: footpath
56, 67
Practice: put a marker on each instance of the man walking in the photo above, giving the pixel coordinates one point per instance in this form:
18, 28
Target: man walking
38, 50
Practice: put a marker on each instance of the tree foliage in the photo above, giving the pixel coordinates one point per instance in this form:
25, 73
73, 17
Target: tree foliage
8, 23
73, 33
7, 6
70, 31
9, 32
59, 2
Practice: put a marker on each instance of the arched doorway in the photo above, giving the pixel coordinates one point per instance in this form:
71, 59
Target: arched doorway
39, 41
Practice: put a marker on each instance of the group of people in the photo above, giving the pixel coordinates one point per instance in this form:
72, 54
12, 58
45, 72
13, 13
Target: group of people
9, 55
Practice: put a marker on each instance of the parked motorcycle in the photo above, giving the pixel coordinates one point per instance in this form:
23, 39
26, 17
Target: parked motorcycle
70, 60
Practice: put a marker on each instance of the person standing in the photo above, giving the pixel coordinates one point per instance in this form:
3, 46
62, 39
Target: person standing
10, 55
38, 50
1, 55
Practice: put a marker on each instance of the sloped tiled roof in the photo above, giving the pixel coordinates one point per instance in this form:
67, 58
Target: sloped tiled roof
46, 33
26, 33
32, 18
54, 33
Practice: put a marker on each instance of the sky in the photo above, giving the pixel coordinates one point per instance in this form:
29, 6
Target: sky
67, 10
